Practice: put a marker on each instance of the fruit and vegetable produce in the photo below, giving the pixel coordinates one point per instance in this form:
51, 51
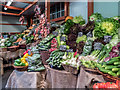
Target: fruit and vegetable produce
45, 43
68, 17
113, 53
55, 59
3, 42
107, 26
88, 47
116, 18
82, 38
54, 45
35, 61
71, 59
22, 61
80, 46
79, 20
67, 26
95, 17
111, 67
88, 28
107, 85
88, 61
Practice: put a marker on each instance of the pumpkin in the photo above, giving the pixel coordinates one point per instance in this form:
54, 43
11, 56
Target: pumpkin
68, 17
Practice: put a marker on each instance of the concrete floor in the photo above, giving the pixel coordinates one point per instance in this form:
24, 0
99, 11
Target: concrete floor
7, 72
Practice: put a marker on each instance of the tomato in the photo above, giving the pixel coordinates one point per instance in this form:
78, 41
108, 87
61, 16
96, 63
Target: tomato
111, 85
102, 85
96, 86
118, 83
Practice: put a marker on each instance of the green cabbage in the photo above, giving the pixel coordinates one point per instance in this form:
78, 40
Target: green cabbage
107, 26
79, 20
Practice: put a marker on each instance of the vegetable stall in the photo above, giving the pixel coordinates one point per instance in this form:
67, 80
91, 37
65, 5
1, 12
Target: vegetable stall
74, 50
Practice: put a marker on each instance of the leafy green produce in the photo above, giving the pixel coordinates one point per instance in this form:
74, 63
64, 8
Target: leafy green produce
67, 26
46, 42
88, 47
55, 59
95, 17
35, 61
107, 26
82, 38
79, 19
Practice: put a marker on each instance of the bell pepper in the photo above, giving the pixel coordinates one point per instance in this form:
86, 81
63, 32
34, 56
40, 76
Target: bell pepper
26, 64
17, 64
26, 55
23, 61
22, 64
18, 60
26, 52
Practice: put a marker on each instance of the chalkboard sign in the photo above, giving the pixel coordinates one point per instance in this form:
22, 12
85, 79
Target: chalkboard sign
107, 39
63, 47
55, 33
80, 34
62, 38
97, 46
89, 34
24, 38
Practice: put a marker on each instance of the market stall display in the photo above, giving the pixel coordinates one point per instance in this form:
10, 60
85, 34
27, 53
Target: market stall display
82, 49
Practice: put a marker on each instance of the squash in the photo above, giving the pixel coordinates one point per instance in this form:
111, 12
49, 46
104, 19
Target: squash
19, 39
68, 17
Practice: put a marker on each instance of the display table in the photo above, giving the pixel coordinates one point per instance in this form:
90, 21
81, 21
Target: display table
60, 79
12, 55
8, 55
26, 79
85, 78
54, 79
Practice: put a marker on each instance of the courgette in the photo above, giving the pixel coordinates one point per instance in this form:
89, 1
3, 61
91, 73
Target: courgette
116, 63
118, 73
115, 69
113, 74
110, 67
112, 61
102, 69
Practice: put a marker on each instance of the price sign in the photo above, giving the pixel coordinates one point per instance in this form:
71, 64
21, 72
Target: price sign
89, 34
107, 39
62, 38
63, 47
69, 50
55, 33
39, 36
80, 34
97, 46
